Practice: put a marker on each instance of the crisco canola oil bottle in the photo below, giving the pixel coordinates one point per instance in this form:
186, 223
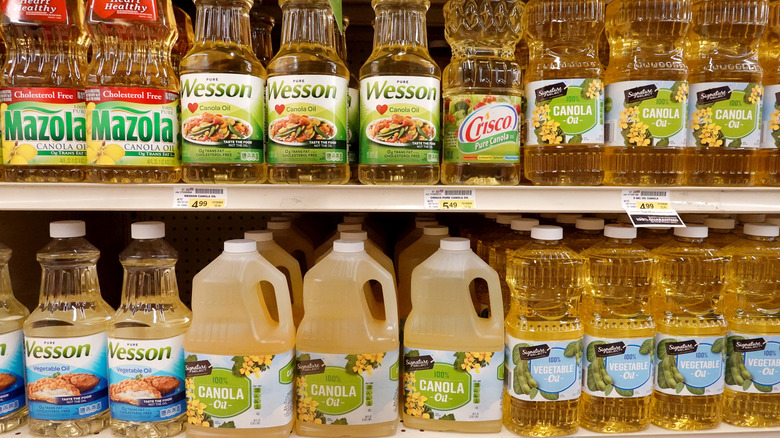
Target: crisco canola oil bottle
769, 55
646, 93
12, 315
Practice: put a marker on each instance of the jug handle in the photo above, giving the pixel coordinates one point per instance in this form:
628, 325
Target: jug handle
388, 292
283, 306
494, 294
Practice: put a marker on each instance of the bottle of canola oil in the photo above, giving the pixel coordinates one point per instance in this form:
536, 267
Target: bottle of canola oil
769, 56
13, 405
262, 25
353, 104
410, 258
588, 232
294, 242
721, 231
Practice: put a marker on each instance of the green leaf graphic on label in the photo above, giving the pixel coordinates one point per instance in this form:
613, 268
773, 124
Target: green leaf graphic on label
336, 391
228, 425
191, 358
224, 394
444, 388
448, 417
342, 421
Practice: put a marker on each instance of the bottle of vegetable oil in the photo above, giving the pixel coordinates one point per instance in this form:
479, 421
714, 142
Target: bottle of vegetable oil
617, 380
222, 98
721, 231
567, 221
563, 85
543, 336
12, 315
307, 99
132, 93
647, 93
653, 237
262, 25
689, 341
412, 256
43, 80
400, 88
769, 55
492, 234
482, 93
185, 39
353, 104
520, 236
726, 91
588, 232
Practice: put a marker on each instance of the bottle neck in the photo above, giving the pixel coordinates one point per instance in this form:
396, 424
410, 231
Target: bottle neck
689, 239
401, 26
149, 285
761, 238
308, 22
224, 22
6, 291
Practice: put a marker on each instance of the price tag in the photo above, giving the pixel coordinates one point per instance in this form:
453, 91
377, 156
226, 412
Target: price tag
199, 197
450, 199
650, 208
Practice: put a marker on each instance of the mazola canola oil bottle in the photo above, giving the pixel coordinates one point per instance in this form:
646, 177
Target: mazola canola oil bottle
769, 56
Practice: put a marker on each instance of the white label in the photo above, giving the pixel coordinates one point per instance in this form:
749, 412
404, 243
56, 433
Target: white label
650, 208
689, 365
450, 199
618, 367
543, 371
197, 197
753, 363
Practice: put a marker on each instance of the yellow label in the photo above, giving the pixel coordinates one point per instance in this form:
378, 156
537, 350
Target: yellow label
206, 203
457, 205
645, 205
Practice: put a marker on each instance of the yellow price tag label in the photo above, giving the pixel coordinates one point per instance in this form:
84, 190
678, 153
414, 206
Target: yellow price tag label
457, 205
649, 205
206, 203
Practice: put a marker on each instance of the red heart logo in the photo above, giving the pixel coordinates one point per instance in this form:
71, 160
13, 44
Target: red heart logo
279, 109
382, 109
192, 106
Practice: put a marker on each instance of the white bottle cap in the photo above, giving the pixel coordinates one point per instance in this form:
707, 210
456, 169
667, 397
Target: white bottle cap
259, 235
692, 231
590, 224
353, 220
67, 229
720, 223
491, 216
436, 230
761, 230
506, 219
147, 230
425, 222
773, 221
751, 218
353, 235
620, 231
693, 218
524, 224
348, 227
567, 218
237, 246
348, 246
455, 244
547, 232
278, 225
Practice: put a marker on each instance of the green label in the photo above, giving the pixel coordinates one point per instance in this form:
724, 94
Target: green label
336, 391
565, 111
353, 125
225, 394
642, 113
482, 128
725, 115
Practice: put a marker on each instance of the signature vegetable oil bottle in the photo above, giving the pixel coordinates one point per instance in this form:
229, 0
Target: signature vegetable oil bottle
262, 25
132, 93
563, 85
690, 348
647, 93
12, 315
482, 93
769, 55
43, 79
617, 380
353, 104
543, 336
724, 109
307, 99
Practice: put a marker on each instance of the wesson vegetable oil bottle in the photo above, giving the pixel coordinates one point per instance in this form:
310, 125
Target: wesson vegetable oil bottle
543, 336
646, 92
726, 88
12, 315
690, 345
483, 93
145, 335
617, 382
347, 366
769, 56
42, 91
353, 104
721, 231
563, 85
238, 360
65, 339
262, 25
307, 99
222, 98
400, 88
453, 362
752, 396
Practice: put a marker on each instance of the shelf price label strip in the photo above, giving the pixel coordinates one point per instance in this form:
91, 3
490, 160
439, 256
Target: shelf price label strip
450, 199
650, 208
196, 198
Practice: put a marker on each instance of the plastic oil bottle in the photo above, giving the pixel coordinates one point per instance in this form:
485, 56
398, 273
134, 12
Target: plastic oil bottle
132, 93
769, 56
262, 24
12, 315
145, 340
752, 396
222, 98
689, 341
489, 235
70, 316
412, 236
543, 336
563, 85
453, 362
721, 231
238, 360
588, 232
724, 110
410, 258
43, 79
647, 93
521, 236
370, 247
307, 99
653, 237
294, 242
353, 104
341, 340
327, 246
400, 91
483, 95
185, 38
617, 385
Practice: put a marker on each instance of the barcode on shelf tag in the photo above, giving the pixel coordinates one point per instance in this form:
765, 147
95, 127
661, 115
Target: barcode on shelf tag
199, 197
450, 199
650, 208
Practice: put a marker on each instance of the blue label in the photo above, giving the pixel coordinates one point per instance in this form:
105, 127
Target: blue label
753, 363
11, 372
690, 366
618, 367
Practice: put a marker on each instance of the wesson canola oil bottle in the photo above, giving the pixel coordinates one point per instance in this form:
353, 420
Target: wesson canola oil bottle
12, 315
769, 56
42, 91
222, 98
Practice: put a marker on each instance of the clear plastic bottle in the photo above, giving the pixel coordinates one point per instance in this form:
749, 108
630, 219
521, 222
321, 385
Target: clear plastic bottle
563, 85
489, 235
294, 242
769, 56
370, 247
327, 246
520, 236
412, 236
588, 232
686, 304
12, 316
412, 256
653, 237
483, 93
262, 25
71, 317
185, 38
145, 340
617, 385
721, 231
353, 104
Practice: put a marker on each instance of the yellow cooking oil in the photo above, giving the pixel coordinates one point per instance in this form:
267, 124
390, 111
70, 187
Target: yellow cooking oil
186, 38
12, 316
726, 91
495, 233
565, 92
543, 336
690, 274
294, 242
483, 95
520, 236
410, 258
400, 95
588, 231
307, 99
353, 104
43, 80
262, 25
617, 385
132, 93
222, 99
646, 93
653, 237
769, 56
721, 231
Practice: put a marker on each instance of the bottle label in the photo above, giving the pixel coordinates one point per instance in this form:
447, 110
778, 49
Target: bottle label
353, 125
66, 377
11, 372
44, 126
144, 10
618, 367
399, 120
651, 114
453, 385
20, 11
222, 118
239, 392
770, 130
146, 379
689, 366
547, 371
482, 128
307, 119
562, 111
753, 363
347, 389
725, 115
132, 127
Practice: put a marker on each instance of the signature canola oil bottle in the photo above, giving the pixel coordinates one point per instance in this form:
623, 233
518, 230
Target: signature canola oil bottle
769, 56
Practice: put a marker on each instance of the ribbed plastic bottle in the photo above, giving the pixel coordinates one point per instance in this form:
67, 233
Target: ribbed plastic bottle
185, 38
520, 236
327, 246
721, 231
262, 24
489, 235
769, 56
12, 315
653, 237
410, 258
353, 103
588, 232
294, 242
